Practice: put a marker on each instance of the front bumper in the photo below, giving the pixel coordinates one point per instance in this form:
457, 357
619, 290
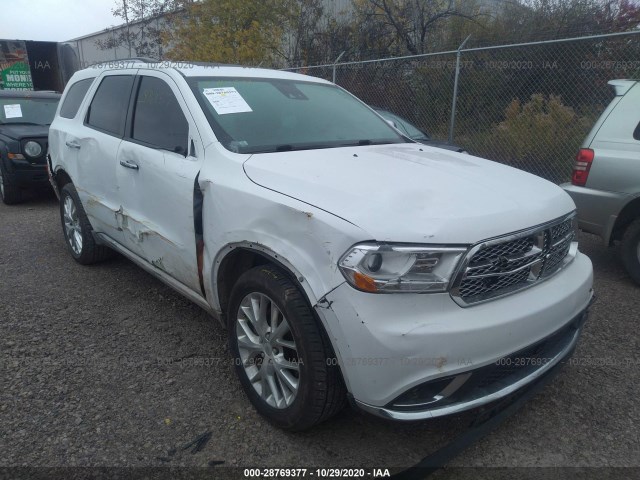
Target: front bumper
33, 177
25, 173
390, 346
488, 384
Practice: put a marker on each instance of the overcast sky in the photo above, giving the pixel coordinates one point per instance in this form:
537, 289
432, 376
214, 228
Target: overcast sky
54, 20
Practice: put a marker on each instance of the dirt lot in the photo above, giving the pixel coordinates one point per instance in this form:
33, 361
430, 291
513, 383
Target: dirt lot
105, 366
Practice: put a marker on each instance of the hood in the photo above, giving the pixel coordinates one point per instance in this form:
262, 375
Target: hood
413, 193
19, 131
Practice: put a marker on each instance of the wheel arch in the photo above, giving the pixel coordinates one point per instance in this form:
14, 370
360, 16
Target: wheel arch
4, 150
628, 214
61, 177
236, 258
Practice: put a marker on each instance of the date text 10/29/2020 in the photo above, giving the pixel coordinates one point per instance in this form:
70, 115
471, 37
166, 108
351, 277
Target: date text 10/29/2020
316, 473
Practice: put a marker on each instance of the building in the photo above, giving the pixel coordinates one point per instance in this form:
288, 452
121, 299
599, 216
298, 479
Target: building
107, 45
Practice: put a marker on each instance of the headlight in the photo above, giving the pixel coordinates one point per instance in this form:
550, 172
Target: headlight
33, 149
385, 268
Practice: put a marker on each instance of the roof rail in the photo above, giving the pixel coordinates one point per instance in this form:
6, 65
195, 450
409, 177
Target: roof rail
130, 59
144, 59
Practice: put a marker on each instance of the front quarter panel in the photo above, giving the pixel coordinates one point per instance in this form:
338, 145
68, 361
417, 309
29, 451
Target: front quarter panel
237, 212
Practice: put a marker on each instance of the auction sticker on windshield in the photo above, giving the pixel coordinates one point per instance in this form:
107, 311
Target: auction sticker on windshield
226, 100
13, 111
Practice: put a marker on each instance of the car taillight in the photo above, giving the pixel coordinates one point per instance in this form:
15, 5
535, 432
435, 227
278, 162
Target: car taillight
582, 167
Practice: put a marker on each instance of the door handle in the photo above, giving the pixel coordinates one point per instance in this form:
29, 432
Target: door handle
128, 164
75, 145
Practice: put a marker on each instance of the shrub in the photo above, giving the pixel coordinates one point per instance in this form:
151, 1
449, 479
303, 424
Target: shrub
541, 136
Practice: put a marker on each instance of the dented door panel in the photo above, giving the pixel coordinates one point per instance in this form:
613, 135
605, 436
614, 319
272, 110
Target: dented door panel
96, 181
156, 184
156, 213
91, 166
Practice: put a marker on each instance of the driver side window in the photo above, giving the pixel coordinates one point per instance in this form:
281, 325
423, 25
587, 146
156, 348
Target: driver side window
158, 120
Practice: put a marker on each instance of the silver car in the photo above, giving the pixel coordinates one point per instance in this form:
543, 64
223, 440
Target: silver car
606, 176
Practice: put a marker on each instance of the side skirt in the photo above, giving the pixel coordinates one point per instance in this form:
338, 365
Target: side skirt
156, 272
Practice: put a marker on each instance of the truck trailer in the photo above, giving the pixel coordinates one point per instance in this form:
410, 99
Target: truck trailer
34, 65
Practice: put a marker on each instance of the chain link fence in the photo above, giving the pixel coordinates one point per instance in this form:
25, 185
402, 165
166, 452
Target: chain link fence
528, 105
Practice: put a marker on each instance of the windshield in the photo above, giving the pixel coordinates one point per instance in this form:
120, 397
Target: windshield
250, 115
404, 126
39, 111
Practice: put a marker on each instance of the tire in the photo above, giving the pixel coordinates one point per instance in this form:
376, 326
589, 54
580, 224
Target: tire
77, 230
10, 193
301, 341
631, 250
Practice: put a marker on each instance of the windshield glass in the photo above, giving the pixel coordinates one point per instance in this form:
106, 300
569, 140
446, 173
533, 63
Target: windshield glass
38, 111
250, 115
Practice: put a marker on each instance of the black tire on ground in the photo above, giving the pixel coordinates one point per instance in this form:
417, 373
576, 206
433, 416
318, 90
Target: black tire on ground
89, 251
10, 193
321, 391
631, 250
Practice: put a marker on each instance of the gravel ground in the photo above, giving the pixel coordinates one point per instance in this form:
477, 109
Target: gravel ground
105, 366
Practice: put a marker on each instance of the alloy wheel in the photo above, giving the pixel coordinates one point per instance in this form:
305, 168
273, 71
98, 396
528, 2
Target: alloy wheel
267, 350
72, 226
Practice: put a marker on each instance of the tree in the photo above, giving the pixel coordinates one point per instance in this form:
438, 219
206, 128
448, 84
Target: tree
229, 31
409, 26
303, 35
532, 20
145, 23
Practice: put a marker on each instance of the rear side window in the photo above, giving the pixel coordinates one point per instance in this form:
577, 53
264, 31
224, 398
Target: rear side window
158, 120
74, 98
636, 133
108, 110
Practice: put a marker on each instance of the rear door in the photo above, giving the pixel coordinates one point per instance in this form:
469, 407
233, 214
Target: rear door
158, 162
97, 145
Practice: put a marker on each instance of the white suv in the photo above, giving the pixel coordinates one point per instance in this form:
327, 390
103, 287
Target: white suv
346, 260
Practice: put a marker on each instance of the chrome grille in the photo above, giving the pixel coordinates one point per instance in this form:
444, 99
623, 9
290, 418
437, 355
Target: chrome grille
521, 245
506, 265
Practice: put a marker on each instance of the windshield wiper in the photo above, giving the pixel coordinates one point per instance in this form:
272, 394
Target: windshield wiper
290, 147
362, 143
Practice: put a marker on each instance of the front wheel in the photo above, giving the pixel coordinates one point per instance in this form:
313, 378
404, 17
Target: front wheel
283, 357
77, 229
631, 250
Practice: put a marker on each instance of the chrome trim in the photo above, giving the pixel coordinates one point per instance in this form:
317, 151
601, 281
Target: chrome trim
515, 270
463, 268
453, 386
563, 239
478, 402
